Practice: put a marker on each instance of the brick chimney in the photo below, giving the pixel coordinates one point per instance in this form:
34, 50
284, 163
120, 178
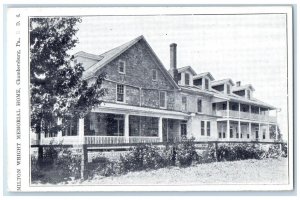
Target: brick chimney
173, 62
238, 83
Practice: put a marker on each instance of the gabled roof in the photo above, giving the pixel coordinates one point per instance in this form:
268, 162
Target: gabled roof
220, 82
182, 69
243, 87
112, 54
204, 74
88, 55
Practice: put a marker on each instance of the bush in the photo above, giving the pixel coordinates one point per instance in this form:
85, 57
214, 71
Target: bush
186, 153
231, 152
208, 155
102, 166
144, 157
58, 165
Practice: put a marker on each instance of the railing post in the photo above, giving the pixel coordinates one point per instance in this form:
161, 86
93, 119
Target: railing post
239, 127
126, 128
228, 129
59, 133
84, 159
81, 131
160, 129
249, 130
216, 151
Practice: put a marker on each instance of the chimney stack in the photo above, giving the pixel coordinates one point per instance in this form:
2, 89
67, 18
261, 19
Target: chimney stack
238, 83
173, 62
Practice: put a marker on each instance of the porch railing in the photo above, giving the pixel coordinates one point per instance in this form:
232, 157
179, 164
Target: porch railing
104, 139
138, 139
245, 115
119, 139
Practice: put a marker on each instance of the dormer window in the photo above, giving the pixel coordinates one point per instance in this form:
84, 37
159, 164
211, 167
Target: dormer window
228, 88
206, 84
154, 75
187, 79
248, 94
122, 67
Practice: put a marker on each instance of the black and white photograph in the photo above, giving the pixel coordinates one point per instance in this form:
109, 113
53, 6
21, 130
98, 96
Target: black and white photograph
195, 98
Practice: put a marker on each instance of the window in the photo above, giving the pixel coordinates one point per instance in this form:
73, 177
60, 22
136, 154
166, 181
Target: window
264, 134
237, 132
183, 129
220, 135
122, 67
248, 94
208, 128
224, 106
256, 134
187, 79
228, 89
248, 135
202, 128
199, 105
162, 99
206, 84
120, 93
154, 75
184, 103
231, 132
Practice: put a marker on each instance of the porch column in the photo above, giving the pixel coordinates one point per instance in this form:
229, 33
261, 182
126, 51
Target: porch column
268, 131
239, 110
259, 131
126, 127
81, 131
249, 130
228, 129
160, 129
227, 109
59, 133
250, 110
239, 128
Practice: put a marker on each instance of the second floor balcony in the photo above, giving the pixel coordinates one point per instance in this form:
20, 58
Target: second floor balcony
246, 112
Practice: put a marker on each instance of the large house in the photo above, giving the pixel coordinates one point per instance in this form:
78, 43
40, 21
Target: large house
148, 103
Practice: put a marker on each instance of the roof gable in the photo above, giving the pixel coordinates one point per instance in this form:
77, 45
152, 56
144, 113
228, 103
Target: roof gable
223, 81
112, 54
243, 87
187, 68
207, 74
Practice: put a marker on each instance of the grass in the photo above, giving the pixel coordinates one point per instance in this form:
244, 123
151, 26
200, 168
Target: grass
267, 171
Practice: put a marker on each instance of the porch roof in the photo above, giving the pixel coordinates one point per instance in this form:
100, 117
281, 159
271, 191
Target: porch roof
144, 111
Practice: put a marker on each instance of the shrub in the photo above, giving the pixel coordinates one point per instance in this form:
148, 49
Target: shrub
231, 152
208, 155
144, 157
58, 165
102, 166
186, 153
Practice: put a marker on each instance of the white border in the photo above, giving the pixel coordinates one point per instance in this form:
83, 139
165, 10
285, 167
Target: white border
120, 11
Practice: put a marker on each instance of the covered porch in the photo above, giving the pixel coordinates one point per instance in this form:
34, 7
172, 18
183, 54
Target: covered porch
237, 130
111, 126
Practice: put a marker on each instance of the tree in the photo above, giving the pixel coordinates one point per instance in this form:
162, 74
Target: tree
56, 84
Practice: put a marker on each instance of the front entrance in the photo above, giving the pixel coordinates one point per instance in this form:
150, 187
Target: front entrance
183, 131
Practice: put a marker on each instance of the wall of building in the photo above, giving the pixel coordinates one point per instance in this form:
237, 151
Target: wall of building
139, 64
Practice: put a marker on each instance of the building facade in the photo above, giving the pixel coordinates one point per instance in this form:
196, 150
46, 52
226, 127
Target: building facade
145, 102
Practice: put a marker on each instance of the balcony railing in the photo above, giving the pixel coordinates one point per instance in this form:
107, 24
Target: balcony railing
246, 115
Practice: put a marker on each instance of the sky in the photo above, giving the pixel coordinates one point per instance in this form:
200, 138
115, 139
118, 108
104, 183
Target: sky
247, 48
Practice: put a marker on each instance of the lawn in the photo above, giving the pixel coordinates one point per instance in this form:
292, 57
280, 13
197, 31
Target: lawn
267, 171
